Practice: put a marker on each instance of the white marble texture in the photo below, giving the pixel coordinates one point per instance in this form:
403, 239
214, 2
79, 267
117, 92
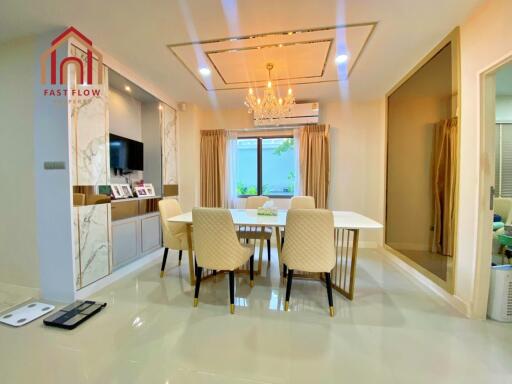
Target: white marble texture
93, 222
168, 123
88, 122
88, 125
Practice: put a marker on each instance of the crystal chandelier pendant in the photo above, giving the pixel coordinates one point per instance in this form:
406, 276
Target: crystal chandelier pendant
269, 108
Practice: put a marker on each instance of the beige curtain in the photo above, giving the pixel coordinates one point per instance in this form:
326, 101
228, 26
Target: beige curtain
213, 168
314, 162
444, 179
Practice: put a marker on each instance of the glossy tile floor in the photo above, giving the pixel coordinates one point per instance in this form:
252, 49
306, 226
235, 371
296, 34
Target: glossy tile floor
394, 332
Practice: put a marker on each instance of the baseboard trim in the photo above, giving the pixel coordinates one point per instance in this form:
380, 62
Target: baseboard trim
453, 300
136, 266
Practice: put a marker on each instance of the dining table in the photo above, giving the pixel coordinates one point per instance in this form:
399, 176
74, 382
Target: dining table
347, 226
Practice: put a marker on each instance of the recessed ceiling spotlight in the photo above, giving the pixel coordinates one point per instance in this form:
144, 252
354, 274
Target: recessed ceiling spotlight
205, 71
280, 45
127, 88
340, 59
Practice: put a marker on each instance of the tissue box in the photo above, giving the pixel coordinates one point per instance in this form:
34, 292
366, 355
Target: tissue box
267, 211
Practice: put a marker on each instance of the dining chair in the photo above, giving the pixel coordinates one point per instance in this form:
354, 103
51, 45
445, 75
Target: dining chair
309, 247
174, 234
217, 248
257, 233
297, 202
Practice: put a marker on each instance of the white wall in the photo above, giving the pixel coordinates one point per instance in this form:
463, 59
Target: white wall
19, 263
504, 109
357, 160
485, 39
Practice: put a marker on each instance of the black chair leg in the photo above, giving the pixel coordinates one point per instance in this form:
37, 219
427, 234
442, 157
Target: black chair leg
198, 285
251, 271
232, 292
285, 269
268, 249
282, 242
329, 293
288, 289
195, 266
164, 260
179, 257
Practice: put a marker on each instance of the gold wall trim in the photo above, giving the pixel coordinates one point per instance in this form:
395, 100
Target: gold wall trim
452, 38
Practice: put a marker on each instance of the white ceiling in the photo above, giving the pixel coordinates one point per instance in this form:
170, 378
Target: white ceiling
138, 33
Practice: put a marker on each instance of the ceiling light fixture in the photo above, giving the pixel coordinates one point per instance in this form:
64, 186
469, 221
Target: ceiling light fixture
270, 107
205, 71
127, 88
340, 59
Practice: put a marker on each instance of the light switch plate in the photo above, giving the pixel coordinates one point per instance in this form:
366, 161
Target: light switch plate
50, 165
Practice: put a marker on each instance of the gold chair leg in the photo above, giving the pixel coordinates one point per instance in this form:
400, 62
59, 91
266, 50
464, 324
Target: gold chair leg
232, 309
331, 311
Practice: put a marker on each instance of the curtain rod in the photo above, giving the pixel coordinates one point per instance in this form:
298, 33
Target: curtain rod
280, 128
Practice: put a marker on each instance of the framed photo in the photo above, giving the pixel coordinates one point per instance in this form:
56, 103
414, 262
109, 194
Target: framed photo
141, 191
116, 191
150, 191
126, 190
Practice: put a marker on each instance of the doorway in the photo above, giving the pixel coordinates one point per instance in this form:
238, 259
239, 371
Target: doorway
495, 195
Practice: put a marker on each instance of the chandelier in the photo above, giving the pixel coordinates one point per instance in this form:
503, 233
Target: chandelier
270, 107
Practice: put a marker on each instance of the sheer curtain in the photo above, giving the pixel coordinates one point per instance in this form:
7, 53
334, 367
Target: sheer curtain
232, 199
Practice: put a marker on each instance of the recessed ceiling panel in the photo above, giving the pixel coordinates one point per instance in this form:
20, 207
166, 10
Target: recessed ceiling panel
299, 57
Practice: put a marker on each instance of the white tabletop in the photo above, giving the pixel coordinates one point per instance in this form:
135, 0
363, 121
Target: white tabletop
342, 219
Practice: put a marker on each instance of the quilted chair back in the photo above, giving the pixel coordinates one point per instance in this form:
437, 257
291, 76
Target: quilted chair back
302, 202
216, 243
309, 242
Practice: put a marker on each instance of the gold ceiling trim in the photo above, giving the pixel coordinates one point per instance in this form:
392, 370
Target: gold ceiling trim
330, 41
281, 33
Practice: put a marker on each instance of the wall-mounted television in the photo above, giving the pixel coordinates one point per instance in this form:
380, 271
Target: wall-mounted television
126, 154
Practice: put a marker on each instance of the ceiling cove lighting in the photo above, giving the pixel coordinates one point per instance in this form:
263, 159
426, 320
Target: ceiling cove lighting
340, 59
270, 107
205, 71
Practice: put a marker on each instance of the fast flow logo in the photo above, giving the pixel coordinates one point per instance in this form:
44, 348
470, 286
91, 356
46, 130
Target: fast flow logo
83, 68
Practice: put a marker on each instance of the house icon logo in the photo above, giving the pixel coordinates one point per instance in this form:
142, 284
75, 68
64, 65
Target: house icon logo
77, 62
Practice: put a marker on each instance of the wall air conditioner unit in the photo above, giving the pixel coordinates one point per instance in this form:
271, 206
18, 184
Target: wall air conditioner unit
303, 113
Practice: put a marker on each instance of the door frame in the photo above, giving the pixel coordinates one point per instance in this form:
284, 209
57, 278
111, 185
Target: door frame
487, 127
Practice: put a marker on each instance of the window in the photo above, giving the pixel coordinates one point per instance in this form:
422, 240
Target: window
503, 177
266, 166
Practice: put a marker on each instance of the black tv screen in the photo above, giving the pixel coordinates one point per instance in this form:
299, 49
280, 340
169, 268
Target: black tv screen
126, 154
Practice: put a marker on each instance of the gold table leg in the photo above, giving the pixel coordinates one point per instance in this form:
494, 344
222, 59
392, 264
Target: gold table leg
341, 270
191, 269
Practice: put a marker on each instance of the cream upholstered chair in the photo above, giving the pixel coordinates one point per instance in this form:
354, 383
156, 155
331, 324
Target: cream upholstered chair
302, 202
310, 246
503, 207
261, 233
217, 247
175, 234
299, 202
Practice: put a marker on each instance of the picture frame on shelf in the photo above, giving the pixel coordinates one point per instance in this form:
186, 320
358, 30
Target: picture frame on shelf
150, 190
126, 190
141, 191
116, 191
